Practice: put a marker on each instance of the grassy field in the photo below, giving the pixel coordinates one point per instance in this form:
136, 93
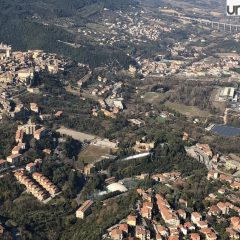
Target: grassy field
92, 153
189, 111
153, 97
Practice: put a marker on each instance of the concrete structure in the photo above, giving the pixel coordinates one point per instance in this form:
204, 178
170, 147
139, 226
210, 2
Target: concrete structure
116, 187
227, 94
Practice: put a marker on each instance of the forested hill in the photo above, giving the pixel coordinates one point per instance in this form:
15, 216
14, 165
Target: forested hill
23, 26
56, 7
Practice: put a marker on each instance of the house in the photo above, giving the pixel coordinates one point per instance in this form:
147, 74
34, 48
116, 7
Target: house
31, 167
223, 207
162, 230
205, 148
159, 237
235, 222
189, 226
15, 158
3, 165
221, 191
182, 214
17, 150
185, 136
40, 133
232, 233
19, 136
146, 212
25, 74
58, 114
214, 210
47, 151
195, 236
34, 107
212, 175
196, 217
142, 147
116, 234
225, 178
132, 220
142, 233
22, 146
209, 234
45, 116
89, 169
169, 216
235, 185
183, 229
124, 228
84, 210
202, 224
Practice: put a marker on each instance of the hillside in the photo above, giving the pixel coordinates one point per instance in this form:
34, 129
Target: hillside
39, 24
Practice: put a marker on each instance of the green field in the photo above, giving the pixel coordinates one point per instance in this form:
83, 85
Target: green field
189, 111
153, 97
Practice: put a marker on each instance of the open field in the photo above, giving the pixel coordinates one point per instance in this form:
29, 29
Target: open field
92, 153
189, 111
153, 97
80, 136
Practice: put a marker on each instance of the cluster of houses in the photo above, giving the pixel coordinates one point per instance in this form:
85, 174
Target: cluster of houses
204, 154
161, 68
35, 189
17, 155
112, 102
20, 67
26, 129
214, 66
38, 185
156, 218
45, 183
175, 224
234, 183
142, 146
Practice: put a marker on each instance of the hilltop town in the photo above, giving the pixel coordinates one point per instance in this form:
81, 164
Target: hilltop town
126, 125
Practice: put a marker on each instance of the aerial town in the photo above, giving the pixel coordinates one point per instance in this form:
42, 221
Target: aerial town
126, 126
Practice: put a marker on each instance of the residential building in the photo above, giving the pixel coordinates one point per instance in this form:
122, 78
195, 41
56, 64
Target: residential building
19, 136
40, 133
45, 183
84, 210
132, 220
196, 217
142, 233
116, 234
31, 167
195, 236
15, 158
